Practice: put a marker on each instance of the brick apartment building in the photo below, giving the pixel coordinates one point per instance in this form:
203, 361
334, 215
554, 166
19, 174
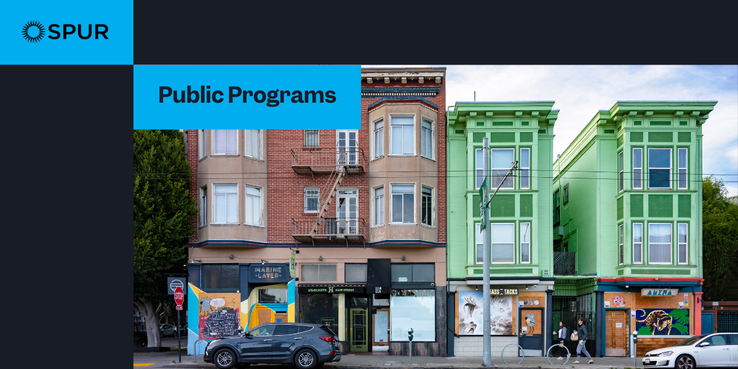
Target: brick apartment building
363, 211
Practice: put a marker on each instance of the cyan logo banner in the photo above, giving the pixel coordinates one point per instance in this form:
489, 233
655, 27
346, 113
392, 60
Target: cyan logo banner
66, 32
246, 97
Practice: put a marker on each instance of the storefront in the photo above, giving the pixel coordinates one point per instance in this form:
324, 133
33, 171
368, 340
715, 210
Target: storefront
344, 308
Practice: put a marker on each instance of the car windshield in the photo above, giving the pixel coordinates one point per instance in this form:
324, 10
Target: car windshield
690, 341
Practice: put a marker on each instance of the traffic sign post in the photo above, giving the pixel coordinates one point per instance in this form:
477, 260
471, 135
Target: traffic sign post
179, 299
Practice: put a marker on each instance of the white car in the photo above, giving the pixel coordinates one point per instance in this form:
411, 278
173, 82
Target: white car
717, 349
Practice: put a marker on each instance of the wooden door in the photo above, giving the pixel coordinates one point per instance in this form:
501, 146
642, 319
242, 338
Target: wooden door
616, 333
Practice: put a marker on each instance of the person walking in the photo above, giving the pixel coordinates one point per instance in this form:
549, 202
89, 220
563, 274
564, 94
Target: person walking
582, 332
562, 333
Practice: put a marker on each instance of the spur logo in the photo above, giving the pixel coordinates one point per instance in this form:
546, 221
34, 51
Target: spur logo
34, 31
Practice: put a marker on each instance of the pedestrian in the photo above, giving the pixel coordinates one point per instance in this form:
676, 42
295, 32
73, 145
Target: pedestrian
562, 336
582, 332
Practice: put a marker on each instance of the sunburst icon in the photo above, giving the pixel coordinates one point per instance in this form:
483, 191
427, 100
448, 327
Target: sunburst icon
33, 31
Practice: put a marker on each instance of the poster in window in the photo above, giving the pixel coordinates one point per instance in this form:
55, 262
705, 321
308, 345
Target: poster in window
470, 314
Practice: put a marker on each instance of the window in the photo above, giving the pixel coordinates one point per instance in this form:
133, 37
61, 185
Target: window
318, 273
637, 168
284, 330
320, 308
637, 243
402, 135
355, 273
220, 276
312, 196
312, 138
378, 139
556, 206
479, 168
682, 167
273, 295
407, 272
403, 203
262, 331
502, 243
525, 242
252, 143
202, 144
203, 205
566, 194
525, 168
620, 171
479, 241
620, 244
426, 139
659, 168
414, 309
226, 203
502, 160
682, 240
426, 206
225, 141
659, 243
379, 206
253, 205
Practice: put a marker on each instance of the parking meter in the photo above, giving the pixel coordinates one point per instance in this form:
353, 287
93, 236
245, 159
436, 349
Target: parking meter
635, 337
635, 353
410, 343
410, 334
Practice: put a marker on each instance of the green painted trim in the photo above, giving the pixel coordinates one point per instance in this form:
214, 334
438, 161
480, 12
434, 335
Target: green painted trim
659, 123
660, 137
478, 136
502, 123
636, 122
502, 137
684, 137
526, 136
524, 123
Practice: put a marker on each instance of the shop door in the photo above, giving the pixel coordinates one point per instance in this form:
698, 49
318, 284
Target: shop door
708, 324
381, 327
616, 335
358, 337
530, 331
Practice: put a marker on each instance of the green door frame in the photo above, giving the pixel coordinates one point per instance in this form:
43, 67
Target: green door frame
358, 320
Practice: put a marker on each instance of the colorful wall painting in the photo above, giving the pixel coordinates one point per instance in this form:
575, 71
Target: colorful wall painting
662, 322
470, 314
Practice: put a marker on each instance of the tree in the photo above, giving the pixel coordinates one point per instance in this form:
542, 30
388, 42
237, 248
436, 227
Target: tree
719, 242
162, 220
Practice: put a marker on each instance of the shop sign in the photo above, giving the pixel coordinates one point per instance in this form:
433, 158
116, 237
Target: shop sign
331, 289
659, 292
268, 273
503, 291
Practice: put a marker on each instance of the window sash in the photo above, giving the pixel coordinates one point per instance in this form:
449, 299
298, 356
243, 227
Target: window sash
637, 168
403, 203
203, 144
226, 141
252, 143
355, 273
402, 135
312, 138
525, 242
620, 171
426, 206
378, 138
620, 245
479, 242
426, 139
479, 168
682, 167
659, 243
524, 168
637, 243
253, 206
659, 176
502, 243
500, 158
682, 240
226, 203
203, 206
312, 196
379, 206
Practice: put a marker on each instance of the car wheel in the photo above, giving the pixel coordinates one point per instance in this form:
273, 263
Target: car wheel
685, 362
306, 359
224, 359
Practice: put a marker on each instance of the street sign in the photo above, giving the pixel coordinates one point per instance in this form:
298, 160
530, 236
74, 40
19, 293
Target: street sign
482, 204
293, 263
179, 297
173, 282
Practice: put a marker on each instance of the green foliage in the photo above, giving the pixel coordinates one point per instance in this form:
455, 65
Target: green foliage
719, 242
162, 211
644, 331
681, 328
681, 316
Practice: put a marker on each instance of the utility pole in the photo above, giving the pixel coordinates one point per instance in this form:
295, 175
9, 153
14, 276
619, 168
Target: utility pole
484, 204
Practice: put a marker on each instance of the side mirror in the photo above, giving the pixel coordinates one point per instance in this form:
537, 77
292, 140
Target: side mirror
704, 344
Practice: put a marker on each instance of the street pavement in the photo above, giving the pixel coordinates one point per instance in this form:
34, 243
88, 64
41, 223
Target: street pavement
170, 359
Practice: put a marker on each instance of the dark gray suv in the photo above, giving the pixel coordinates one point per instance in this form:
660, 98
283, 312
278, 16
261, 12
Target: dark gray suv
305, 345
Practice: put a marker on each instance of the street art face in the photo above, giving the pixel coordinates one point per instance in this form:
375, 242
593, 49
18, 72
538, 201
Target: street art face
470, 314
618, 301
673, 322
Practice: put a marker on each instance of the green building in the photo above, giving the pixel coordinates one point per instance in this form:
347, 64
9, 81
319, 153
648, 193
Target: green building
627, 226
521, 270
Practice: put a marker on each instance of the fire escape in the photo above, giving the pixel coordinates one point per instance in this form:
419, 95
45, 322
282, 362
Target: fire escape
337, 163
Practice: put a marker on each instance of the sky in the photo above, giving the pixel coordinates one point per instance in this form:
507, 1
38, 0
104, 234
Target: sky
580, 91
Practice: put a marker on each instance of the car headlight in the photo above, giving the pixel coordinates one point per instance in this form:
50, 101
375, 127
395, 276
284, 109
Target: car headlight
664, 354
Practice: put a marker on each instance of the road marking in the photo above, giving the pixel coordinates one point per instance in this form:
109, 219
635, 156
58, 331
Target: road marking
143, 364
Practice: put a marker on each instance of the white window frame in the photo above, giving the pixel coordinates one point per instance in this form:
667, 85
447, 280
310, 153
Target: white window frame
202, 146
260, 209
392, 207
310, 196
479, 243
621, 179
378, 137
320, 266
214, 133
637, 168
251, 135
681, 168
671, 244
524, 245
685, 243
426, 143
203, 221
671, 164
478, 168
524, 170
215, 201
506, 169
431, 208
306, 141
621, 251
639, 253
392, 136
492, 244
378, 214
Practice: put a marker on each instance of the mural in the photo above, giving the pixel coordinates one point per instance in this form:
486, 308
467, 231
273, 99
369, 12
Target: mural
650, 322
470, 314
618, 301
218, 315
